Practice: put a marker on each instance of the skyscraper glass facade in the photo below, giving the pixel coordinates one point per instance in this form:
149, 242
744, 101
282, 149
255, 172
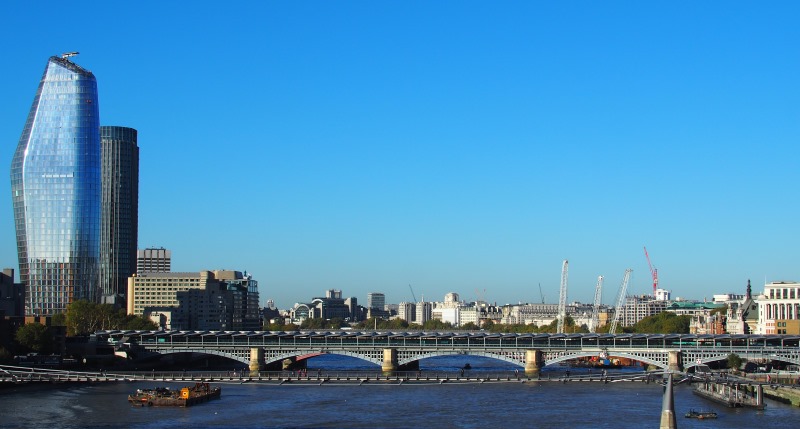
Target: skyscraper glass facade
55, 187
120, 210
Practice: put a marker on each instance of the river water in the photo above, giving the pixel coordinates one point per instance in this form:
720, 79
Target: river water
372, 405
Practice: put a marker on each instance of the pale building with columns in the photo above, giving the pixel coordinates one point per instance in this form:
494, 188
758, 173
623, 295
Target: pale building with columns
780, 301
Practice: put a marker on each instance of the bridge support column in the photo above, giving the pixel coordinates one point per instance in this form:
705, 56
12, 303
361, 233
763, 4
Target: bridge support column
674, 361
256, 360
389, 364
533, 361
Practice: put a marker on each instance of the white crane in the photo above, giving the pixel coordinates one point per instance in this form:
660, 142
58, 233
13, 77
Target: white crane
598, 293
562, 298
620, 301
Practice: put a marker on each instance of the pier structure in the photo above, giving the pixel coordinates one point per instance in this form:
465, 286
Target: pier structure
394, 351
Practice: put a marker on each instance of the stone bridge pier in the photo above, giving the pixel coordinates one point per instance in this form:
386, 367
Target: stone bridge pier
533, 361
674, 361
256, 361
389, 364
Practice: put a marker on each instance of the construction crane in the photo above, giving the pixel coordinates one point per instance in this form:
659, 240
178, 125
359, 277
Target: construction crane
653, 272
541, 293
412, 294
562, 298
623, 288
598, 293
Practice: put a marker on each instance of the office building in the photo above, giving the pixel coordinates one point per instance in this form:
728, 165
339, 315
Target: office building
119, 218
153, 260
376, 300
55, 187
205, 300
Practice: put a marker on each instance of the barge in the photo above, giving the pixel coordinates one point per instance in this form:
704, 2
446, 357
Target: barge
165, 397
732, 395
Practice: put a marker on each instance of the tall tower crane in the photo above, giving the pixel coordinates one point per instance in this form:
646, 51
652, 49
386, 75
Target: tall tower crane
598, 293
623, 288
562, 298
653, 272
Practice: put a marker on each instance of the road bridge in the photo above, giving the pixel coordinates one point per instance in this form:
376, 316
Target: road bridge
402, 350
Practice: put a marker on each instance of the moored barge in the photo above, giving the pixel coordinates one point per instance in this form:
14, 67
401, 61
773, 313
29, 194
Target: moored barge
165, 397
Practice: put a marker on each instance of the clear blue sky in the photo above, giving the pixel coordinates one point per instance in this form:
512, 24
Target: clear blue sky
454, 146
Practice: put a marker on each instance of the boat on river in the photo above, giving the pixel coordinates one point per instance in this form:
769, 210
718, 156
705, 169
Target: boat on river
166, 397
693, 414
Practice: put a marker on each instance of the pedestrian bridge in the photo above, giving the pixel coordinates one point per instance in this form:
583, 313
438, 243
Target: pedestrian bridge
398, 350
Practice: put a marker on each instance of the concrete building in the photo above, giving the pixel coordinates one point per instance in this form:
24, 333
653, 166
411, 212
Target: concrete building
637, 307
205, 300
407, 311
423, 312
119, 218
153, 260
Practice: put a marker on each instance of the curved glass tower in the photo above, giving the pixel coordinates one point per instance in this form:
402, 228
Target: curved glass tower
55, 187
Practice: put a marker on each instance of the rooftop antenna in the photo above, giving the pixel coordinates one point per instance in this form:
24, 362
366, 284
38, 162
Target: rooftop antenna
66, 55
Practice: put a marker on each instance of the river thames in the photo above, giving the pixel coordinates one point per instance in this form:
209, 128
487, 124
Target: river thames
378, 405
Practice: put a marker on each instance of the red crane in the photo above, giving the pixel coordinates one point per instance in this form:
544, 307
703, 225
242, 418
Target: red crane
653, 272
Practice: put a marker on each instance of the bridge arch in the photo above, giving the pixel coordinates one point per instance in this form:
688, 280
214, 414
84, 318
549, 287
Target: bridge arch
552, 358
289, 355
511, 358
223, 353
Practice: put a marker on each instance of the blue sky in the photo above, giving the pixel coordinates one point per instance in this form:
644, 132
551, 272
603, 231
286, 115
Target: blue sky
464, 147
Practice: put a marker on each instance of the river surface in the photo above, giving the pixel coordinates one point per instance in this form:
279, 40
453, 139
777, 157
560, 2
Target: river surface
371, 405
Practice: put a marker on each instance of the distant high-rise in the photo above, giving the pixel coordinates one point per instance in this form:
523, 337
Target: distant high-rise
55, 189
376, 300
119, 220
153, 260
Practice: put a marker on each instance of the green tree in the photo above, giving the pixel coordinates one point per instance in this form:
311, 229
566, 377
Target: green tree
662, 323
470, 326
134, 322
734, 361
35, 337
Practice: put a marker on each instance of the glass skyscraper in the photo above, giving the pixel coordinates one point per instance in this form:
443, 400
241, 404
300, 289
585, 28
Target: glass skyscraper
55, 187
120, 210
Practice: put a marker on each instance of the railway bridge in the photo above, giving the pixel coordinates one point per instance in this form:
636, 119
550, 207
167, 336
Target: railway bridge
403, 350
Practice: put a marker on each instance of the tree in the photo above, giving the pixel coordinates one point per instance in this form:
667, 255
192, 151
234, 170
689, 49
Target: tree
84, 317
734, 361
470, 326
663, 323
35, 337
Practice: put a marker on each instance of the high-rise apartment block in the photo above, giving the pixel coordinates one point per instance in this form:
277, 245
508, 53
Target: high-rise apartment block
55, 187
119, 218
153, 260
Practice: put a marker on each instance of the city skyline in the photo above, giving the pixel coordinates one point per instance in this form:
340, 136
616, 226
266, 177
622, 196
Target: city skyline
453, 147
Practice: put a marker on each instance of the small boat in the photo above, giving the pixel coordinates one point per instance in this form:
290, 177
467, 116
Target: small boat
693, 414
165, 397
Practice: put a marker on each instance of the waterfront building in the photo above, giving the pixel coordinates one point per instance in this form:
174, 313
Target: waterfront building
780, 302
205, 300
153, 260
55, 187
119, 220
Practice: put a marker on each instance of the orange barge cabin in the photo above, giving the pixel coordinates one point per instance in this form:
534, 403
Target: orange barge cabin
164, 397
